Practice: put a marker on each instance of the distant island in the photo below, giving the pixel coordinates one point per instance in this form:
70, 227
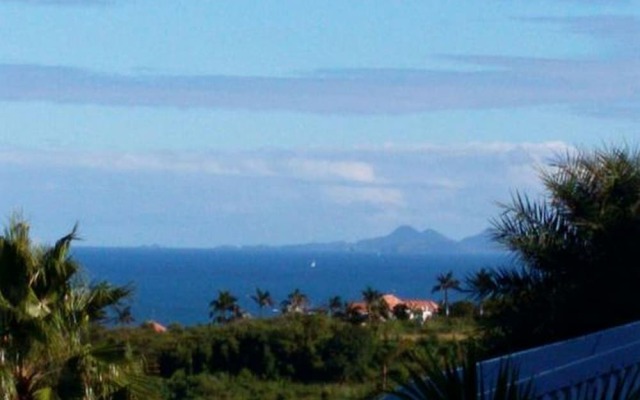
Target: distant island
403, 240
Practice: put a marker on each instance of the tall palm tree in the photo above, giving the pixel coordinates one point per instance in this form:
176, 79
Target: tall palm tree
224, 308
480, 285
262, 299
46, 315
123, 315
377, 308
336, 306
296, 302
446, 282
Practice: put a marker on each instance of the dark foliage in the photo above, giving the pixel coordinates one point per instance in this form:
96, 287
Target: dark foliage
578, 251
450, 378
300, 348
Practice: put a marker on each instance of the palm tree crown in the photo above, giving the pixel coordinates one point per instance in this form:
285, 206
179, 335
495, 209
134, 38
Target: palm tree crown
262, 299
224, 308
335, 305
296, 302
580, 239
377, 307
446, 282
480, 285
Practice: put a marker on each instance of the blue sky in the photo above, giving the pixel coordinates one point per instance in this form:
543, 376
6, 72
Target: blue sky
197, 124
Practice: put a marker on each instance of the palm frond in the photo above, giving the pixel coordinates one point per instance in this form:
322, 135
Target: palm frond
46, 312
448, 380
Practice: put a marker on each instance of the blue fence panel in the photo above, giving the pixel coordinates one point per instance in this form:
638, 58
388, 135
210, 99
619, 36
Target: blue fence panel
567, 370
573, 362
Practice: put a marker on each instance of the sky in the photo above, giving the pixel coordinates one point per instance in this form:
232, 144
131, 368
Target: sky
208, 123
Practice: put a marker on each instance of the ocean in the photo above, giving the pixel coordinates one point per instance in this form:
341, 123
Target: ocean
177, 285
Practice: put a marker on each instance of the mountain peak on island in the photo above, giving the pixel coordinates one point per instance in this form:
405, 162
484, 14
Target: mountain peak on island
406, 239
405, 228
431, 233
404, 231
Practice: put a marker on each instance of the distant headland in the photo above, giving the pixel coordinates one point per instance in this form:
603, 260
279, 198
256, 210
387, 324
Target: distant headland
403, 240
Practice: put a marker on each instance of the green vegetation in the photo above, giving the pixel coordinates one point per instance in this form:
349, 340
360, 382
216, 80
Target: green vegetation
291, 356
246, 386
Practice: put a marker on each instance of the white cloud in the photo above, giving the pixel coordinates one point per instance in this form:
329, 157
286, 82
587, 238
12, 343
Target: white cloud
329, 169
239, 197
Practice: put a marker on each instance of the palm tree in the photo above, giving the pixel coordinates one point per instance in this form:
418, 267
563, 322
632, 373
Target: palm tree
581, 237
296, 302
262, 299
46, 315
336, 306
446, 282
480, 285
224, 308
377, 308
124, 315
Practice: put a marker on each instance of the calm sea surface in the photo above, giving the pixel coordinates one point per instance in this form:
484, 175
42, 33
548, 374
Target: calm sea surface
176, 285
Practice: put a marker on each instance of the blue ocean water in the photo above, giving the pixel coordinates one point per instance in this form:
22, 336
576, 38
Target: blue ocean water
177, 285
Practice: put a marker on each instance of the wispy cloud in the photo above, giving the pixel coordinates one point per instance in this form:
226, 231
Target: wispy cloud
504, 82
328, 168
321, 169
608, 86
121, 162
382, 165
62, 2
620, 31
357, 165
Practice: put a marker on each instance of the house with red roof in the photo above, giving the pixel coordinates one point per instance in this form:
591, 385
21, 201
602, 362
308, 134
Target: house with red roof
417, 309
155, 326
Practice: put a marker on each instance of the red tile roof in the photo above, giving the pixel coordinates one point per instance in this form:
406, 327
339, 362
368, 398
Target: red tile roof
156, 327
422, 304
